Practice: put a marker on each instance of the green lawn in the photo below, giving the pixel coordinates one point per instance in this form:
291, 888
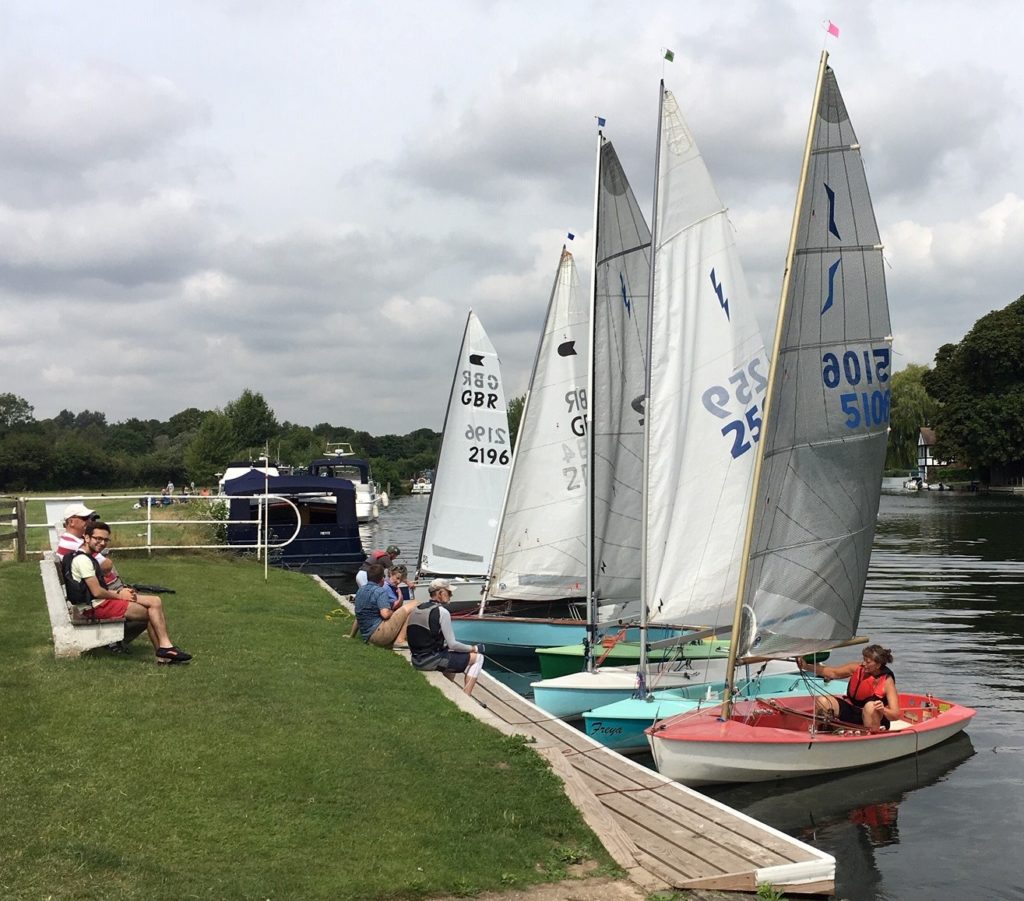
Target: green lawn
284, 762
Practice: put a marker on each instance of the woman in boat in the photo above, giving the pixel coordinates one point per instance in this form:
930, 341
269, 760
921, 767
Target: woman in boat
871, 697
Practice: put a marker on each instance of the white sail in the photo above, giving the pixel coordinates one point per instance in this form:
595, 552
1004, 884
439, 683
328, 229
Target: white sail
622, 285
474, 464
708, 376
541, 549
817, 496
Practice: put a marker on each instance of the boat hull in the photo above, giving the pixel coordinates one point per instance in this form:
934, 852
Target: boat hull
563, 661
622, 725
521, 636
568, 697
466, 591
758, 743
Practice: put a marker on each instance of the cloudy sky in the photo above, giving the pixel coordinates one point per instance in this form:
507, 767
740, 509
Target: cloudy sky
305, 198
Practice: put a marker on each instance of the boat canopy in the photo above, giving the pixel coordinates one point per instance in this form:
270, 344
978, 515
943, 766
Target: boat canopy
334, 467
254, 482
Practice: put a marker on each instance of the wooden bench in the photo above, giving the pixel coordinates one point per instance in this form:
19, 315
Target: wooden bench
72, 632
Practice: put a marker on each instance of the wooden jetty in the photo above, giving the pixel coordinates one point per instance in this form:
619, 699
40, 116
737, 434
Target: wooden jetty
663, 834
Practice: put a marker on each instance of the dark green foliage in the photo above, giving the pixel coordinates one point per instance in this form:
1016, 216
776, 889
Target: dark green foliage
81, 450
979, 384
515, 414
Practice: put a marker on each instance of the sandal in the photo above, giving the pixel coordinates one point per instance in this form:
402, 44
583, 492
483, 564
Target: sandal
172, 654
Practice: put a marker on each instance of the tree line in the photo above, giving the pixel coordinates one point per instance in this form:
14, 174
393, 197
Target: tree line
83, 450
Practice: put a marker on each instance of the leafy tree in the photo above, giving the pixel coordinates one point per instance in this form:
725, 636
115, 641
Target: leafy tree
14, 411
252, 421
515, 415
979, 384
912, 407
211, 449
188, 420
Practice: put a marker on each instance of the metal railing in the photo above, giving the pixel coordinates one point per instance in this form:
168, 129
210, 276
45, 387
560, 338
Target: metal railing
54, 506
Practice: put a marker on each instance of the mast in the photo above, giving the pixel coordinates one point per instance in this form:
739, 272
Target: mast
641, 673
730, 672
444, 429
588, 655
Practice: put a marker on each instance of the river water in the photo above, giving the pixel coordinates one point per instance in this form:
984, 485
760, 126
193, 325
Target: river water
946, 593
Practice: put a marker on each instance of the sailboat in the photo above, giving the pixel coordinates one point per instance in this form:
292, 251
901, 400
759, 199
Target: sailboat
537, 588
707, 374
472, 474
816, 488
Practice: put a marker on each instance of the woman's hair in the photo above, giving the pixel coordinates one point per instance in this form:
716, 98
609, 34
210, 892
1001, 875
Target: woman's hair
400, 569
881, 656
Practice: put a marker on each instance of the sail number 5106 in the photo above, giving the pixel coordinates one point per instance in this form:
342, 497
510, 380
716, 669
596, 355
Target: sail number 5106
860, 369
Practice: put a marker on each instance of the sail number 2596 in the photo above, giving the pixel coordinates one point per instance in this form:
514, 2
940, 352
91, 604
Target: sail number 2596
735, 401
861, 369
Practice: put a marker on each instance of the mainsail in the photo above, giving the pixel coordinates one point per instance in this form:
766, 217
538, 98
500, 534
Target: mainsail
817, 492
473, 468
622, 276
708, 376
541, 550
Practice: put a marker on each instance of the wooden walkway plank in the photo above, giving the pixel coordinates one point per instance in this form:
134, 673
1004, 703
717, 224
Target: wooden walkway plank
663, 834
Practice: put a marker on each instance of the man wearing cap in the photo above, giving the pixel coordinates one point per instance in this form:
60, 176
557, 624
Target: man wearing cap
432, 642
83, 579
76, 517
380, 620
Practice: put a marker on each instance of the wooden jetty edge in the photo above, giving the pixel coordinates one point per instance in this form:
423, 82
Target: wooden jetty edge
663, 834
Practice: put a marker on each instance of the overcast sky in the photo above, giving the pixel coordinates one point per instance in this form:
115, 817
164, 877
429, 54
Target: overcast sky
305, 198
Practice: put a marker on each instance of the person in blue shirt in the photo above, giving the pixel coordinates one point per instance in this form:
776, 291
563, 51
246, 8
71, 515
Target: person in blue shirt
381, 620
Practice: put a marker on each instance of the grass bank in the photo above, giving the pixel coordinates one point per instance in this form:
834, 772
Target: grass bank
284, 762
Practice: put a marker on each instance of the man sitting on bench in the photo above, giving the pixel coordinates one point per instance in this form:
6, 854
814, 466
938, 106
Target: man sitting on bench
76, 517
83, 578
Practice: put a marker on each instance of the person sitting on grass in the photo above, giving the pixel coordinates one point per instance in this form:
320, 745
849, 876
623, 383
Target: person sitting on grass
83, 578
432, 642
380, 557
380, 620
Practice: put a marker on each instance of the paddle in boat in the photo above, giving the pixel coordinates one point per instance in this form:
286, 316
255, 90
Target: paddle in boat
816, 489
471, 477
692, 452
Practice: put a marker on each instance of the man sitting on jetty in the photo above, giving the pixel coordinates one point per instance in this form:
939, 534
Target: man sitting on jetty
432, 642
76, 518
83, 578
380, 620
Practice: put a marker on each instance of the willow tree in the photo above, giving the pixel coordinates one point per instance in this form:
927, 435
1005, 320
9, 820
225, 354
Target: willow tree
912, 407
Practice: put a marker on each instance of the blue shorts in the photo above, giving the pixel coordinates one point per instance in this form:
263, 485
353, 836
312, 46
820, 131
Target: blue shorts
453, 662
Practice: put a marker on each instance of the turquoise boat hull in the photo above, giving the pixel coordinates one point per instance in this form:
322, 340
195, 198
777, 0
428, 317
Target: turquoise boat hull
621, 725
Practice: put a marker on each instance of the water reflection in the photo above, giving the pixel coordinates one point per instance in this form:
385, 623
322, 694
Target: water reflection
851, 815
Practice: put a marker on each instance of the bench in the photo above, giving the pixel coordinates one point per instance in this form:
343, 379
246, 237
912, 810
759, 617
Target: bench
72, 632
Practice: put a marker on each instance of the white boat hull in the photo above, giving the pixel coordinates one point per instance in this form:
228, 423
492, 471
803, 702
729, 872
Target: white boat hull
702, 749
574, 694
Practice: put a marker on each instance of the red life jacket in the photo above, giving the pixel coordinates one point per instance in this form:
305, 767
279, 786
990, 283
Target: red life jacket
862, 688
